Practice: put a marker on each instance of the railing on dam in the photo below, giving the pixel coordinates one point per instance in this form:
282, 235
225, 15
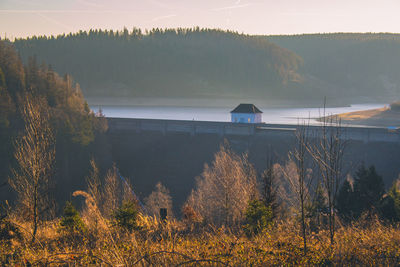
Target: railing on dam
128, 125
191, 127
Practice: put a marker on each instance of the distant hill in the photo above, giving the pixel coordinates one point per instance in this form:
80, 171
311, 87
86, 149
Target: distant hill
213, 64
169, 63
364, 66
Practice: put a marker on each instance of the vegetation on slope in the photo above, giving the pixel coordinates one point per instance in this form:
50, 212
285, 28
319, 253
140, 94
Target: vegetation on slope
75, 127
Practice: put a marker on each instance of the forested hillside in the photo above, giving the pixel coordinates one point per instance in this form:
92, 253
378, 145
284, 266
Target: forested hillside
169, 63
364, 66
204, 63
76, 129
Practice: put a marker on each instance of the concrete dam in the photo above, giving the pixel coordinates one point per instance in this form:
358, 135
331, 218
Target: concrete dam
174, 152
193, 128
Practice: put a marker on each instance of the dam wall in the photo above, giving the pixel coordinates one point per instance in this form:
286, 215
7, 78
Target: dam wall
193, 128
175, 152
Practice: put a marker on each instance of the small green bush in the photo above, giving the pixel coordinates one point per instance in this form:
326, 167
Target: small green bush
71, 220
258, 217
126, 216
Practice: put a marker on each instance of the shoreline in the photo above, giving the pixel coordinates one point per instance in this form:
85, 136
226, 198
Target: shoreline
204, 102
380, 117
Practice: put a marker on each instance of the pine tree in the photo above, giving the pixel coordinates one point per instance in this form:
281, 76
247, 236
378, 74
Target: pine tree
317, 208
368, 189
126, 216
270, 190
71, 220
390, 205
345, 201
258, 217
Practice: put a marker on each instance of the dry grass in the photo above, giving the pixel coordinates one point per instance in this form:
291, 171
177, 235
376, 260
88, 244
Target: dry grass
172, 244
362, 115
381, 117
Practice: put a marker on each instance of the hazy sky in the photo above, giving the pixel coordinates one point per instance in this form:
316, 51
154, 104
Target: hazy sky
20, 18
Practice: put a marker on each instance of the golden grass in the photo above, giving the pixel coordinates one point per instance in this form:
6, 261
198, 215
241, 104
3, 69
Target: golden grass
381, 117
172, 244
362, 115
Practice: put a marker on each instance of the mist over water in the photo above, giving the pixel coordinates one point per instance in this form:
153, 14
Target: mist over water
270, 115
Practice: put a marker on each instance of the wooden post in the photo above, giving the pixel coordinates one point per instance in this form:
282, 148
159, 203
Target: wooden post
163, 214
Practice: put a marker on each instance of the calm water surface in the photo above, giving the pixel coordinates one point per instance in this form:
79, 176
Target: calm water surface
270, 115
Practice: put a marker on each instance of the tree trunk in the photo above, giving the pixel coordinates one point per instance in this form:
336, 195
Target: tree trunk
303, 226
35, 215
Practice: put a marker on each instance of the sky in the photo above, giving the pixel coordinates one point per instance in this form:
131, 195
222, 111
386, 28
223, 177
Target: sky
22, 18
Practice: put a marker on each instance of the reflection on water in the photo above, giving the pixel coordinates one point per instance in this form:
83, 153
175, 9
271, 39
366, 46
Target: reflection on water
270, 115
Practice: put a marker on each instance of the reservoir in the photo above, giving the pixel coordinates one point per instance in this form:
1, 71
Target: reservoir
270, 115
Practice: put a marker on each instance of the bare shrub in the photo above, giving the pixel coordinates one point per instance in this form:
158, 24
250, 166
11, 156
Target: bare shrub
288, 185
104, 198
35, 157
224, 189
91, 213
112, 194
94, 185
327, 152
160, 198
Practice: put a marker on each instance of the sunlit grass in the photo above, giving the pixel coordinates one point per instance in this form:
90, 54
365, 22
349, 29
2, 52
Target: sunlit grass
173, 243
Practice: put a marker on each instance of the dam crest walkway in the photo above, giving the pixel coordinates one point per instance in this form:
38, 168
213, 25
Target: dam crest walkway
193, 128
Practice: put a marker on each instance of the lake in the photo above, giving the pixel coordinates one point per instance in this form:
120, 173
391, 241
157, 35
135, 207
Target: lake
270, 115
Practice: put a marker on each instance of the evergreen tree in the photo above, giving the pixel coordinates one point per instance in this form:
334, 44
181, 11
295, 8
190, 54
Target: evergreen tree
6, 106
258, 217
126, 216
345, 201
317, 208
2, 80
270, 190
368, 189
71, 220
390, 204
